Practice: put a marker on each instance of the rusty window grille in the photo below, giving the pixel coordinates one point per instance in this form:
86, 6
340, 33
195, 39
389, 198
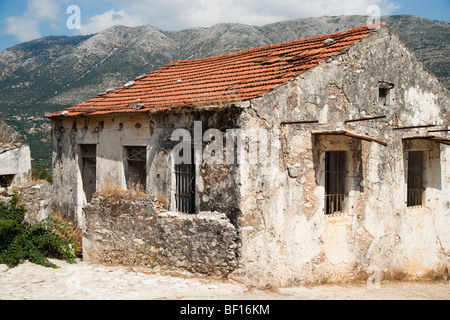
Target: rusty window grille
335, 175
89, 169
414, 183
136, 153
88, 150
136, 173
185, 186
6, 180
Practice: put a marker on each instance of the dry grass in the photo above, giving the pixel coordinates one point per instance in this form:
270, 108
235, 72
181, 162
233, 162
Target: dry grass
112, 191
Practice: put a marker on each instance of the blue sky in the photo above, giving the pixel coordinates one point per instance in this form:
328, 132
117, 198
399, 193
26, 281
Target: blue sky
24, 20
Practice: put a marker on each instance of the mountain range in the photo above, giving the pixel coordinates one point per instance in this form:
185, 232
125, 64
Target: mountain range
55, 72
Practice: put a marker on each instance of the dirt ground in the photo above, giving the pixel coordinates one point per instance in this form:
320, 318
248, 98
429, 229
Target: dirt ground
86, 281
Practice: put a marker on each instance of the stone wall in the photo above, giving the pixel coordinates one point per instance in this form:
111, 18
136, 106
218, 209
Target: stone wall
35, 197
132, 232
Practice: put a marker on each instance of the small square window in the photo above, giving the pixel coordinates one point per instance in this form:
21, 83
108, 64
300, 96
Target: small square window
384, 97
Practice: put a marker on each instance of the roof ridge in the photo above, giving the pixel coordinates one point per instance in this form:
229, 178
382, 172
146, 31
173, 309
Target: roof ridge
241, 75
366, 26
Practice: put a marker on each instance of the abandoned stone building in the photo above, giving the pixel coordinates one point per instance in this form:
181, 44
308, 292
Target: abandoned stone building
15, 159
349, 168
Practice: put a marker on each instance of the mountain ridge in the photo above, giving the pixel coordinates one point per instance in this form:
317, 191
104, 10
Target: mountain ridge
69, 70
56, 72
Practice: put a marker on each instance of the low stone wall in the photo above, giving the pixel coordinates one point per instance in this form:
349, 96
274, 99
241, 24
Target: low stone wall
35, 198
132, 232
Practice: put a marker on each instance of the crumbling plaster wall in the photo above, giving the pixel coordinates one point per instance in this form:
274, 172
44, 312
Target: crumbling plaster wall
15, 159
133, 232
286, 237
111, 134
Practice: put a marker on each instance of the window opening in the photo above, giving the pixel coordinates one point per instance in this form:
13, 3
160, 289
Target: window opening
382, 95
6, 180
136, 169
415, 179
185, 185
384, 89
89, 169
335, 175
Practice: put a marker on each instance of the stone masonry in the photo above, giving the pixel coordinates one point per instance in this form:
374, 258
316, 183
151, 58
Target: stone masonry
133, 232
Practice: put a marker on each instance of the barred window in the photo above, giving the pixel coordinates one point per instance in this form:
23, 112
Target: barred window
136, 171
415, 187
335, 174
185, 185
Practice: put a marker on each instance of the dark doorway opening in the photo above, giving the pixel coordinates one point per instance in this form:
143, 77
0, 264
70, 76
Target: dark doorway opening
89, 169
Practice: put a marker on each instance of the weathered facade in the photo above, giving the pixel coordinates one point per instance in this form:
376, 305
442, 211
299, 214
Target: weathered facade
349, 170
15, 159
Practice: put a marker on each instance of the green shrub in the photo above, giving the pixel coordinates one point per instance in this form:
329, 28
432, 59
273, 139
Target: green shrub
20, 240
41, 175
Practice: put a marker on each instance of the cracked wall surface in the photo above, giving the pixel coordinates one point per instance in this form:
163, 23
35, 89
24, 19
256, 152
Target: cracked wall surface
286, 237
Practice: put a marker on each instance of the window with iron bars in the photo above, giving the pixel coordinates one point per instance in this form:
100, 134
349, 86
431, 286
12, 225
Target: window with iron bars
335, 176
185, 185
136, 171
414, 182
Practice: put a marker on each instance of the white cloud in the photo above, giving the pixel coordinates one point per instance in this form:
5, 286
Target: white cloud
26, 26
179, 14
22, 29
43, 10
182, 14
108, 19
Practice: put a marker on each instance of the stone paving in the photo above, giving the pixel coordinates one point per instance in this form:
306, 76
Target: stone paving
86, 281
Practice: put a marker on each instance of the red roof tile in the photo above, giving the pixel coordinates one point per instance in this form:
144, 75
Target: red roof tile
227, 78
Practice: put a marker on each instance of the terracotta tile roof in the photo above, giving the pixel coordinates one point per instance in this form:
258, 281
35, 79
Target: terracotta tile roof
221, 79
